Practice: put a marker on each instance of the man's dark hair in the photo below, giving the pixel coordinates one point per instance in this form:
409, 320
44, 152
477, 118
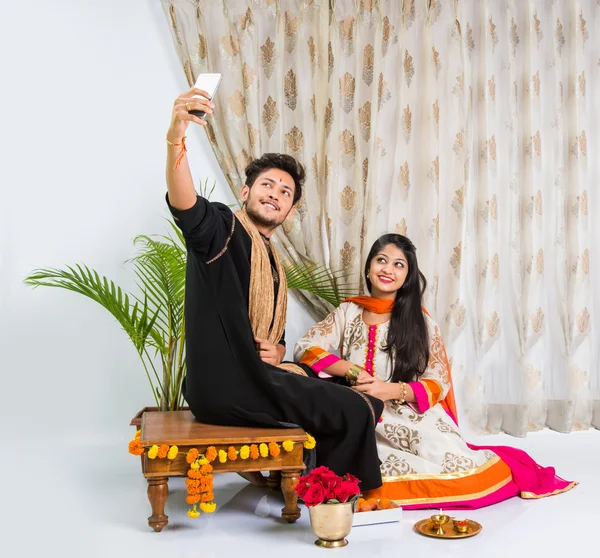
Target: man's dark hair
277, 161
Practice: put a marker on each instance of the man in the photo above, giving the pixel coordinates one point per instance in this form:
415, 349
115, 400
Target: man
236, 300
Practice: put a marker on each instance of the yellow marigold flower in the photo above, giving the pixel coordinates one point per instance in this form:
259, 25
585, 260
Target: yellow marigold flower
222, 456
288, 445
173, 451
162, 451
211, 453
137, 434
264, 450
310, 443
244, 452
195, 465
208, 507
203, 461
153, 452
193, 513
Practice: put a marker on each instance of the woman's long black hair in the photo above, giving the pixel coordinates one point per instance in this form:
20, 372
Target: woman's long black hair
408, 340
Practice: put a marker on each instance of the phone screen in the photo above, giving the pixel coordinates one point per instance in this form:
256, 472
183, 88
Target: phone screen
208, 83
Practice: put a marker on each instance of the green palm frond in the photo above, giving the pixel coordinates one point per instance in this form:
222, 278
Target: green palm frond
330, 285
136, 319
160, 269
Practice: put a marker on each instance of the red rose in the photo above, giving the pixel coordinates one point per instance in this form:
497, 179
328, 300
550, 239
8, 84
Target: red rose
314, 495
351, 478
328, 493
301, 488
346, 490
322, 470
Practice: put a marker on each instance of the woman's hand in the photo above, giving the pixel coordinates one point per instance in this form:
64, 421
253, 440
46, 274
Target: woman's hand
374, 387
181, 118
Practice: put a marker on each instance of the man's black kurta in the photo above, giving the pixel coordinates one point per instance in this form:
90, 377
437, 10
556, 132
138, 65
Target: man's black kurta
228, 384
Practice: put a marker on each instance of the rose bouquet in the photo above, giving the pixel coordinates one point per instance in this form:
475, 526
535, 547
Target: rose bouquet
323, 486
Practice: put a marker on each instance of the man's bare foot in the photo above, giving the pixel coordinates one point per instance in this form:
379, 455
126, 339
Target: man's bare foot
255, 478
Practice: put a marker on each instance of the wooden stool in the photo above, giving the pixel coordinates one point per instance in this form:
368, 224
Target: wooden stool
180, 428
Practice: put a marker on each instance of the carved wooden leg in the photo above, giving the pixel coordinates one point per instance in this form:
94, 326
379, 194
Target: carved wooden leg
158, 490
274, 480
291, 511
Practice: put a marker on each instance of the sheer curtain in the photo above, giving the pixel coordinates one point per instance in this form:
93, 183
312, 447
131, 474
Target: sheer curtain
470, 126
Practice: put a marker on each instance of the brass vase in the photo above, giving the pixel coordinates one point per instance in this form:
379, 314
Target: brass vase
331, 523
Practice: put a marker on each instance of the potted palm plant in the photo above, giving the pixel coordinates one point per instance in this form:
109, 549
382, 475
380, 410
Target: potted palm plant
153, 318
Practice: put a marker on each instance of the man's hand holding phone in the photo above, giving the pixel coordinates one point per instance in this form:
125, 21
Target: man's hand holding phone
194, 99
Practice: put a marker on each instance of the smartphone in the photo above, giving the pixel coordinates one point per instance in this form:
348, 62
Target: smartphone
208, 83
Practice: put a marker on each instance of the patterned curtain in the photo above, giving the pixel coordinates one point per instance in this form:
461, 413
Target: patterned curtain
468, 125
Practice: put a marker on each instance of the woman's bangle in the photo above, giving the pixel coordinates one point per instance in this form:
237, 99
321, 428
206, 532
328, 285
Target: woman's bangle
402, 399
352, 374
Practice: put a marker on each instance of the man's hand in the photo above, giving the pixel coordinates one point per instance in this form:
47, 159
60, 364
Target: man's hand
268, 352
374, 387
181, 118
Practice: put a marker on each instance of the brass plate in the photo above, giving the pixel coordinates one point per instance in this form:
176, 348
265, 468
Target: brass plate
425, 527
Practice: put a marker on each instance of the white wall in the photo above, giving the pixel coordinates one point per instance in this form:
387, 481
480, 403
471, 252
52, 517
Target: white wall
85, 104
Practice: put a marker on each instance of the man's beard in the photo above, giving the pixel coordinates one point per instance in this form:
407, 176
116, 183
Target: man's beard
261, 220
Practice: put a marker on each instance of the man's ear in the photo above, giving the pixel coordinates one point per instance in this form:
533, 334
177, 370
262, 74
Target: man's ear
244, 192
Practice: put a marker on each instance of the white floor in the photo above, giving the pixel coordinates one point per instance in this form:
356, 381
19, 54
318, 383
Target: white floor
90, 501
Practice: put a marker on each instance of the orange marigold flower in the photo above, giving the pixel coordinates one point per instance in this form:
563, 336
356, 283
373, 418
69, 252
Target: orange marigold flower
211, 453
193, 499
135, 447
192, 455
205, 469
254, 451
194, 474
162, 451
274, 449
207, 497
205, 486
231, 453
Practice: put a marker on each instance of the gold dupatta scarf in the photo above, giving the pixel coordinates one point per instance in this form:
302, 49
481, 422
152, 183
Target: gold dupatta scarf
267, 316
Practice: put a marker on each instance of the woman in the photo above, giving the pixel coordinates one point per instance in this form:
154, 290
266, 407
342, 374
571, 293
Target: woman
391, 349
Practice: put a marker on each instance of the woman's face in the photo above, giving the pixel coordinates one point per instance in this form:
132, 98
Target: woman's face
388, 271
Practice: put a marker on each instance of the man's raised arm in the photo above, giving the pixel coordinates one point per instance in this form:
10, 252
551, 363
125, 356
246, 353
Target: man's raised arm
180, 184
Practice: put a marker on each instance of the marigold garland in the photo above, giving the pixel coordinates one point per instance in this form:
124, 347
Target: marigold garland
200, 481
